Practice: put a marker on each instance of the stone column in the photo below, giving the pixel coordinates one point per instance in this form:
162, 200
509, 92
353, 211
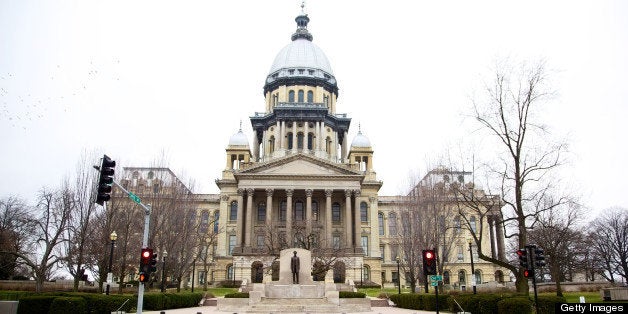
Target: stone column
499, 228
334, 149
294, 136
306, 128
289, 216
278, 137
348, 231
358, 223
328, 194
240, 218
269, 207
282, 135
491, 226
308, 211
344, 145
322, 136
255, 146
249, 217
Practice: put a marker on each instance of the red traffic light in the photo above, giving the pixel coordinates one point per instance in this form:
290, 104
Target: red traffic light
429, 255
146, 253
143, 277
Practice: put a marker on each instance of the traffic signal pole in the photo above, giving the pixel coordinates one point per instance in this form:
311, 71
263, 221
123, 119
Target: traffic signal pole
147, 210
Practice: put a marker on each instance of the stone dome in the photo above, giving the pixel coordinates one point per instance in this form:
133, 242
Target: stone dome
360, 141
301, 54
239, 139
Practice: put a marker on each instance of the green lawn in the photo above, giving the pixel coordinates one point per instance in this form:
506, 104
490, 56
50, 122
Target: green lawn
218, 292
375, 292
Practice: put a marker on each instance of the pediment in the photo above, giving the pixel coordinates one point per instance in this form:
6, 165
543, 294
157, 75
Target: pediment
299, 165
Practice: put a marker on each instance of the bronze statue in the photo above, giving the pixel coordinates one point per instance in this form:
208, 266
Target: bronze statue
295, 264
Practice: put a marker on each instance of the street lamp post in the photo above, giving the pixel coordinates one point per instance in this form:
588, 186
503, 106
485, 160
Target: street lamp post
113, 236
361, 275
163, 271
398, 276
473, 278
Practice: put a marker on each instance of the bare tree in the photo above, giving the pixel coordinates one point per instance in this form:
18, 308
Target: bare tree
610, 239
81, 224
15, 227
526, 157
41, 250
557, 234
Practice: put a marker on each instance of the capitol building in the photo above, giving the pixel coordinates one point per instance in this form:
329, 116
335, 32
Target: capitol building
300, 181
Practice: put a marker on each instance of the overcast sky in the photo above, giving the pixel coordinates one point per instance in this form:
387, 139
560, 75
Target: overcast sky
136, 78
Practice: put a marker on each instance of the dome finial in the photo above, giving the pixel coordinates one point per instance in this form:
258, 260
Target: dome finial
240, 125
359, 127
302, 21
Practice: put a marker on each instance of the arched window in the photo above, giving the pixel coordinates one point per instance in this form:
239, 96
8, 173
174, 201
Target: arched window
291, 96
366, 273
462, 279
299, 140
392, 224
499, 276
310, 140
310, 96
335, 212
282, 211
380, 221
289, 136
446, 279
478, 277
298, 211
261, 211
301, 96
271, 144
364, 216
473, 224
233, 212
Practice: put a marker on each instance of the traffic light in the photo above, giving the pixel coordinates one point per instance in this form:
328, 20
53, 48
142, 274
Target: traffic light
523, 258
153, 263
539, 257
105, 180
145, 266
429, 262
528, 273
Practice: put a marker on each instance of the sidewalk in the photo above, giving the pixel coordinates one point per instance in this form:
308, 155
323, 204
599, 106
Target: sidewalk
212, 309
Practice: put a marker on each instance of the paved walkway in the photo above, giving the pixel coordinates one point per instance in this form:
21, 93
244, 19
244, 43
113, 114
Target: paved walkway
212, 309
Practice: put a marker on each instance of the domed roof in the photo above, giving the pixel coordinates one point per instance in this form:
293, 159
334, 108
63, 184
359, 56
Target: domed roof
239, 139
301, 62
360, 141
301, 53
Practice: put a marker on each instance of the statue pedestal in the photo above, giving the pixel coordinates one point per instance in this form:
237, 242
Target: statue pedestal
290, 291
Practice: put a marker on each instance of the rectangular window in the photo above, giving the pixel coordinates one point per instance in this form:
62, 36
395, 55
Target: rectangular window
232, 243
201, 277
336, 242
380, 221
261, 212
383, 276
460, 254
381, 253
260, 241
394, 252
365, 245
282, 211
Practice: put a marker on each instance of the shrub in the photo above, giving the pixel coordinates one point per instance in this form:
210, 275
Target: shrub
429, 302
383, 295
35, 304
63, 305
516, 305
237, 295
411, 301
488, 303
164, 301
105, 304
351, 294
546, 303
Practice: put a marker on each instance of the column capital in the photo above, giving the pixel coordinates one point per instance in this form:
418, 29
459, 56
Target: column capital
356, 193
309, 192
348, 193
372, 199
240, 192
224, 197
269, 192
250, 191
329, 192
289, 192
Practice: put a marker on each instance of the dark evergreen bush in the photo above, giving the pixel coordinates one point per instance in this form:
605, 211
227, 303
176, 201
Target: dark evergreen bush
429, 302
546, 303
516, 305
64, 305
351, 294
39, 304
411, 301
237, 295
